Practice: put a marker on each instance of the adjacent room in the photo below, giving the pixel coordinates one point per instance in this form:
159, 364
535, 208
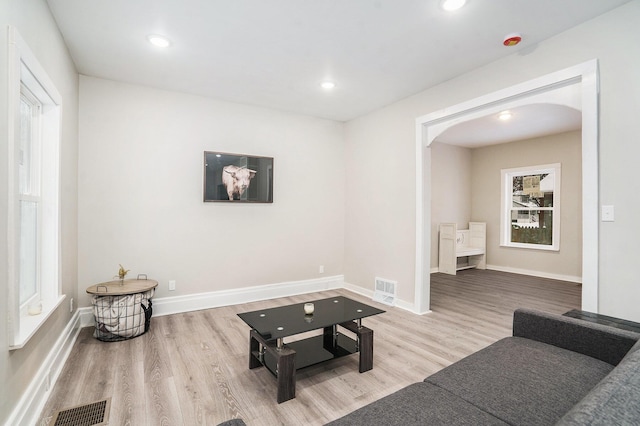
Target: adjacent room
331, 212
470, 160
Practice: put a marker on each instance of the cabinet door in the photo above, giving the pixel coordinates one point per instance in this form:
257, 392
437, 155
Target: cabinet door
447, 249
478, 234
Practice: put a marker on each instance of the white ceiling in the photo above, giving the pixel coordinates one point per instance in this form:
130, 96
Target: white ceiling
275, 53
526, 122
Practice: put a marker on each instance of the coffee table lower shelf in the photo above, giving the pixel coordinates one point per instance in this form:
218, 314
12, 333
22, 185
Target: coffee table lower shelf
311, 351
284, 361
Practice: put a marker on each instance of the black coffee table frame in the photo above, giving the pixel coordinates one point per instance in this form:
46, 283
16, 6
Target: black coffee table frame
282, 360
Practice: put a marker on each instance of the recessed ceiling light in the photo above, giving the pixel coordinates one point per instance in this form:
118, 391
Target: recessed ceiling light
505, 115
328, 85
451, 5
158, 40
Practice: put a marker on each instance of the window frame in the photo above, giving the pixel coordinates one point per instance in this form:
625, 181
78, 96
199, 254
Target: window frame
32, 193
27, 78
506, 205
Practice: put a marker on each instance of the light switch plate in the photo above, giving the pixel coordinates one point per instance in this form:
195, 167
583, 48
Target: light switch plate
607, 214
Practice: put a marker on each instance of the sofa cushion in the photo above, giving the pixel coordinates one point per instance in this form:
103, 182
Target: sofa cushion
418, 404
614, 401
522, 381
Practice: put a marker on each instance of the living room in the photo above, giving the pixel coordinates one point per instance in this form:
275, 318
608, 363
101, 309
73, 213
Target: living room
344, 196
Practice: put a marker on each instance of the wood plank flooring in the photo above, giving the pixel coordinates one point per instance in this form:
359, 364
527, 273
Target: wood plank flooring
192, 368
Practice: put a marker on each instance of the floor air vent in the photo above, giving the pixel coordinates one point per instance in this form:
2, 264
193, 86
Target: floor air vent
385, 291
95, 413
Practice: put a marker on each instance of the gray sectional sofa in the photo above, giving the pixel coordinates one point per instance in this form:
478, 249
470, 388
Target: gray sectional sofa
554, 370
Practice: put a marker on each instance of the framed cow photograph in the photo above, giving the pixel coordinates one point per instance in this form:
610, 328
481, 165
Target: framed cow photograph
237, 178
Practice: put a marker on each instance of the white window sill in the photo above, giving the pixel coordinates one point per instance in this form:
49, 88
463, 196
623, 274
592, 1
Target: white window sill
532, 246
30, 324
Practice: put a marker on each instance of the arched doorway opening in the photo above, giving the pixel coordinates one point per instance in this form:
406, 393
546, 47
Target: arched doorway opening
551, 88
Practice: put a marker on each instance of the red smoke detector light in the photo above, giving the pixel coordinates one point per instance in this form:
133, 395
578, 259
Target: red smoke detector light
512, 39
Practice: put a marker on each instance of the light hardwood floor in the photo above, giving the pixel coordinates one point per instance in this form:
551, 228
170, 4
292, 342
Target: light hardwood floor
192, 368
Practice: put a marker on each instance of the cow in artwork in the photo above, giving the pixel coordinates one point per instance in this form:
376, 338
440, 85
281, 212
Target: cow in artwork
236, 180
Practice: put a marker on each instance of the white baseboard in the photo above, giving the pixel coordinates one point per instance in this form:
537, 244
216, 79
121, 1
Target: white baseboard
532, 273
434, 270
541, 274
29, 408
215, 299
369, 293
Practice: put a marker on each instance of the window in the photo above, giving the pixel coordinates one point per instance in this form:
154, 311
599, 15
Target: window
34, 145
29, 197
531, 207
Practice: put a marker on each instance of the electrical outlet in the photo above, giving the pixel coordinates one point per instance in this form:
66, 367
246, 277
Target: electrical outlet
607, 213
71, 305
321, 269
172, 285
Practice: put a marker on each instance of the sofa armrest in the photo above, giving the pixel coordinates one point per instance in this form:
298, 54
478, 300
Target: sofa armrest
608, 344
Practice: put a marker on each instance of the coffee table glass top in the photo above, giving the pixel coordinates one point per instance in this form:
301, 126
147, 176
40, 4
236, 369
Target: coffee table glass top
283, 321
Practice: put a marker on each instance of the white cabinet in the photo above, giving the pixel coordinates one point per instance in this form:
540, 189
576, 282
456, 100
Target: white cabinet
455, 243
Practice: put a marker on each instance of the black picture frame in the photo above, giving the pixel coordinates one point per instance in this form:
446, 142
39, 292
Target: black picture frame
237, 178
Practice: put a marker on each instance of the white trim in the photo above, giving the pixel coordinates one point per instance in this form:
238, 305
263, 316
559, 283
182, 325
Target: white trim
540, 274
23, 67
359, 290
506, 205
422, 297
30, 405
559, 277
13, 126
86, 317
586, 75
26, 57
590, 189
215, 299
30, 324
402, 304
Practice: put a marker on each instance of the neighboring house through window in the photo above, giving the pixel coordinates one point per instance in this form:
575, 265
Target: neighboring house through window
531, 207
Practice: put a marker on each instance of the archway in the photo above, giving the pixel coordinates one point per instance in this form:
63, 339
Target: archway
551, 88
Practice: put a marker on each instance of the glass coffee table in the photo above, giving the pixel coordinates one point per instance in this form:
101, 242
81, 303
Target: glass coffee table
269, 327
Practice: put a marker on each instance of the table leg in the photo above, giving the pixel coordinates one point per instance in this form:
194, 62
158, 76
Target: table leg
286, 372
365, 343
366, 349
285, 363
255, 351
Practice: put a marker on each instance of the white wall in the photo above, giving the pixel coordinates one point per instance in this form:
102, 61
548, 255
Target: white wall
389, 219
466, 186
380, 202
451, 197
141, 183
563, 148
37, 27
140, 179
